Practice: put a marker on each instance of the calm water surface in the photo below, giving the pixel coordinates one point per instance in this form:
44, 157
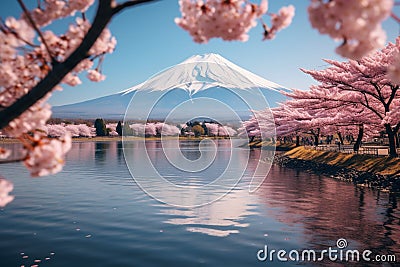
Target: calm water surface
93, 214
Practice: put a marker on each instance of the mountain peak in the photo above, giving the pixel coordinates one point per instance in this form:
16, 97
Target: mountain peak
200, 72
208, 57
207, 78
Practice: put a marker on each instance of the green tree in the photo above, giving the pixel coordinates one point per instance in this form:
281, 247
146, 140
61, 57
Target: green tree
126, 130
198, 130
100, 126
119, 128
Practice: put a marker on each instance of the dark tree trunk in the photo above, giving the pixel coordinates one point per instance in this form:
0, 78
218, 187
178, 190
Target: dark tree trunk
316, 140
316, 136
340, 137
297, 140
392, 140
359, 138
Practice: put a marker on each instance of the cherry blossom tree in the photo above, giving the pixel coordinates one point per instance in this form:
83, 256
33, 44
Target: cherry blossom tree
35, 61
212, 129
352, 93
79, 130
306, 113
226, 131
138, 129
260, 126
164, 129
364, 83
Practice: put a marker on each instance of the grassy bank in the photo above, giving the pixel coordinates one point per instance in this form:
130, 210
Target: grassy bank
362, 163
270, 145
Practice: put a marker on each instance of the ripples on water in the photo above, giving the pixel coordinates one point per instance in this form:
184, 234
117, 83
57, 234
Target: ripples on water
93, 214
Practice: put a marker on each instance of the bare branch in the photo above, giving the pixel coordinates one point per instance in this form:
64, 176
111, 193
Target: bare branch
126, 4
38, 31
395, 17
12, 160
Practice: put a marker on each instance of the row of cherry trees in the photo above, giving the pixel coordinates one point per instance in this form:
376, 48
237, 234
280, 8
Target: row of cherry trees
34, 60
356, 96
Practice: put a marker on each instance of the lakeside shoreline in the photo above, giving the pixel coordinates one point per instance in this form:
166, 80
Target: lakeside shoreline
117, 138
381, 173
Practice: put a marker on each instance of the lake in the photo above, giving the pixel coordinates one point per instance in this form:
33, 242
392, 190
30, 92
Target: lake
93, 213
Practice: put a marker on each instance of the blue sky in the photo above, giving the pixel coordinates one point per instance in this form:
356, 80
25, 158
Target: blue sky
148, 41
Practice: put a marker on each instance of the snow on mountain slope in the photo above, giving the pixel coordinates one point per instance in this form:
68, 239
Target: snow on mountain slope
201, 72
200, 76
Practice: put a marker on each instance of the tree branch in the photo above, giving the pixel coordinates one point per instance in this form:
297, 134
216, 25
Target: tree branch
12, 160
126, 4
33, 24
393, 94
104, 13
395, 17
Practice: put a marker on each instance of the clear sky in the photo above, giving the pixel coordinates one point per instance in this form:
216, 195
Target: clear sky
148, 41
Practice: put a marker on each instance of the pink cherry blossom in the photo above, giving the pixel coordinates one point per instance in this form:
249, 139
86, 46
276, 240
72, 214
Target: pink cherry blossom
229, 20
394, 64
138, 129
166, 130
4, 153
279, 21
356, 23
95, 76
150, 129
46, 156
5, 188
113, 133
212, 129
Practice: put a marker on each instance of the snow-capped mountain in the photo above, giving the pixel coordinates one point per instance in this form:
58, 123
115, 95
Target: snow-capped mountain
195, 81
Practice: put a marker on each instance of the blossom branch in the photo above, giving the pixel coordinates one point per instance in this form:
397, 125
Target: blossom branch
38, 31
103, 16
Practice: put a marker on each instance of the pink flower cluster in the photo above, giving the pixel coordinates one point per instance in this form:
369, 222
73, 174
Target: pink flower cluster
51, 10
154, 129
220, 130
63, 45
279, 21
394, 64
260, 125
59, 130
357, 23
26, 58
4, 153
5, 188
46, 156
226, 19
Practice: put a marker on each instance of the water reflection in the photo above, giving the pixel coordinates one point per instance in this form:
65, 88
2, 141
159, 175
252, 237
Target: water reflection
221, 218
120, 153
96, 194
155, 170
100, 152
324, 210
229, 214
